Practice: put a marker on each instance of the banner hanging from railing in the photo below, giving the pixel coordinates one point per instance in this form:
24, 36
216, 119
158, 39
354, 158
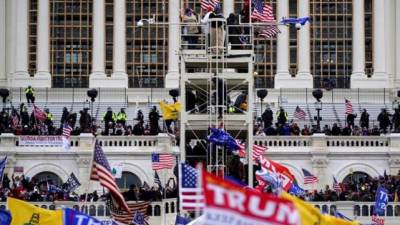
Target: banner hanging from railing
50, 141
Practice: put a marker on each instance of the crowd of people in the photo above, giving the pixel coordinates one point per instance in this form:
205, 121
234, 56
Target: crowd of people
47, 190
37, 122
265, 126
363, 190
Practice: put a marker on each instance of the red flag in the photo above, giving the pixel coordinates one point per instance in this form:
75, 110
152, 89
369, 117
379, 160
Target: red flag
227, 203
39, 114
284, 173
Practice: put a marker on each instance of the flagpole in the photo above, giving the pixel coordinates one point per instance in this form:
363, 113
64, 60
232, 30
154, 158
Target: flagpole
90, 172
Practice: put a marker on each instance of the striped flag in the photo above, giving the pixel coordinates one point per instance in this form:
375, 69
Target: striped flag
101, 171
125, 217
309, 178
161, 161
258, 150
157, 180
268, 31
14, 120
299, 113
262, 12
336, 186
191, 194
348, 106
209, 5
66, 131
39, 114
3, 166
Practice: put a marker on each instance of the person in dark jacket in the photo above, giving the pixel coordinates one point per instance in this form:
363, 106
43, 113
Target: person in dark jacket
364, 119
267, 117
396, 120
336, 131
234, 31
23, 112
350, 119
138, 129
281, 116
154, 117
384, 121
190, 101
109, 119
85, 120
64, 116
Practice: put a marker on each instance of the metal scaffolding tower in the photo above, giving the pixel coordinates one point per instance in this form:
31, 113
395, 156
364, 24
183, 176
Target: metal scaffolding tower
216, 71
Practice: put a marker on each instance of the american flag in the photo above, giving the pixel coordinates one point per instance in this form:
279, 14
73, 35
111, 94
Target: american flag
299, 113
209, 5
258, 150
161, 161
66, 131
336, 186
262, 12
268, 31
348, 106
14, 120
309, 178
101, 171
125, 217
157, 180
39, 114
191, 194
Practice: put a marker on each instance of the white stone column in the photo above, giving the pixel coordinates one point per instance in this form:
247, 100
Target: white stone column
282, 74
11, 19
119, 41
3, 76
303, 48
21, 45
172, 77
397, 43
390, 32
98, 48
379, 45
358, 39
229, 7
43, 42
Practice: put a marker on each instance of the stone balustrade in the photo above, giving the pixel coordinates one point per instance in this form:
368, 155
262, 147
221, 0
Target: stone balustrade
86, 141
323, 141
164, 210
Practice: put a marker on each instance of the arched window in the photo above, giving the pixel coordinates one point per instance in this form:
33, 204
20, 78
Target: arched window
356, 177
48, 177
127, 180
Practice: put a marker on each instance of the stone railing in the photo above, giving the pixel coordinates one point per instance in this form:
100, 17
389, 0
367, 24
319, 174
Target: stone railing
86, 141
361, 211
164, 210
321, 141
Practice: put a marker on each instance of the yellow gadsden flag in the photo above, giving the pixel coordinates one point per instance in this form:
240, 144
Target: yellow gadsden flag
23, 213
170, 111
310, 215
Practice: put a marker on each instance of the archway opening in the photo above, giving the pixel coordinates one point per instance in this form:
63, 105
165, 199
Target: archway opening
357, 177
47, 178
127, 180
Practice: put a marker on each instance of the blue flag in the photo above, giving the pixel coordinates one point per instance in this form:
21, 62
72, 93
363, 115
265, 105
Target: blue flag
138, 219
296, 190
222, 138
3, 166
73, 217
180, 220
381, 201
5, 217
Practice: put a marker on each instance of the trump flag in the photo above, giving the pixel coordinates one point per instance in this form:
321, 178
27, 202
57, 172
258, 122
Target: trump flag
227, 203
